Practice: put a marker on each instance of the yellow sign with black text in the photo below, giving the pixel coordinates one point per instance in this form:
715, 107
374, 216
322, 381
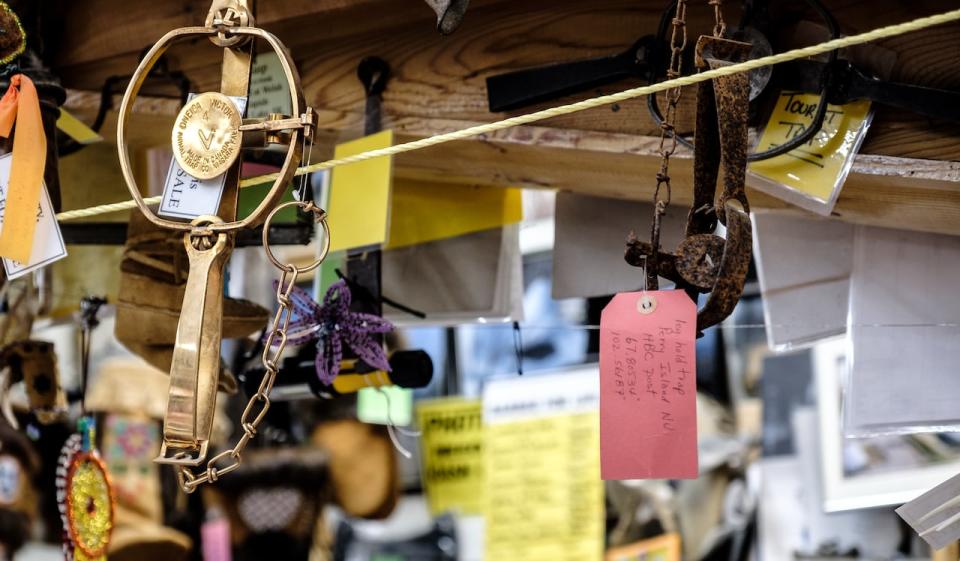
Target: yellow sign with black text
452, 450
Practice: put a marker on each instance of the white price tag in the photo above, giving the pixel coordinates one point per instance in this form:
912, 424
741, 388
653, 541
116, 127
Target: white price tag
185, 196
48, 243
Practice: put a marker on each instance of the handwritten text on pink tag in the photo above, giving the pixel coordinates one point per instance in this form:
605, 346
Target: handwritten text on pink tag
648, 386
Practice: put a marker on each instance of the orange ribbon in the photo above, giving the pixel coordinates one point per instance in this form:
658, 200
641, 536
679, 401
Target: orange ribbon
22, 105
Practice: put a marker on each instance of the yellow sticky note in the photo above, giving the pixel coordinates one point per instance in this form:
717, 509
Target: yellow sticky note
452, 450
424, 211
77, 129
359, 205
819, 167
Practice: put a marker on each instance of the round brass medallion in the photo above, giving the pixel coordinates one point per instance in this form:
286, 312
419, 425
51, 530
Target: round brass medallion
206, 135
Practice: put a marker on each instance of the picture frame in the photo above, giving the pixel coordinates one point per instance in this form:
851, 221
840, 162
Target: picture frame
885, 486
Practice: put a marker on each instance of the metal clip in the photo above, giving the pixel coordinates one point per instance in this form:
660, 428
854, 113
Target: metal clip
275, 123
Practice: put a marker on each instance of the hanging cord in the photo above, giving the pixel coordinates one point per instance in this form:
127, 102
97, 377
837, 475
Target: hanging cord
518, 347
488, 128
363, 292
596, 327
305, 193
89, 308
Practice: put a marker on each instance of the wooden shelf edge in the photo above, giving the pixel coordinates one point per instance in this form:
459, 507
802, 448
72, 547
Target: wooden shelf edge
906, 193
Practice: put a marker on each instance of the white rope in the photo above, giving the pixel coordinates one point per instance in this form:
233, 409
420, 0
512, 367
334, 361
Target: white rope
479, 130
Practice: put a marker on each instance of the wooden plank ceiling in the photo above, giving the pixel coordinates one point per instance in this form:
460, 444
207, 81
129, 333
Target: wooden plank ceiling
907, 175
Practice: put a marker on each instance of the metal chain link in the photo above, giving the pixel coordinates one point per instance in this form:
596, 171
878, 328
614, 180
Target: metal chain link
668, 137
259, 404
719, 26
668, 140
678, 43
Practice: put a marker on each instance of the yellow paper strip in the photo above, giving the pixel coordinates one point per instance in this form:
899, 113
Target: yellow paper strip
423, 211
77, 129
359, 206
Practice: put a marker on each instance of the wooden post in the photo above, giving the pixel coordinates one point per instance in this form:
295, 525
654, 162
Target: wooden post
949, 553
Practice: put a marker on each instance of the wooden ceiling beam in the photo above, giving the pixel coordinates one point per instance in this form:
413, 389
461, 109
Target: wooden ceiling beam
907, 174
910, 193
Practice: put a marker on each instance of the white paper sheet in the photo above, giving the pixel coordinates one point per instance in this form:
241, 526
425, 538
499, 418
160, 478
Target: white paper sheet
48, 245
904, 312
803, 264
457, 280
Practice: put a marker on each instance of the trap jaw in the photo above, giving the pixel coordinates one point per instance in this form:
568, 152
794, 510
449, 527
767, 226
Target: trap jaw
207, 139
705, 263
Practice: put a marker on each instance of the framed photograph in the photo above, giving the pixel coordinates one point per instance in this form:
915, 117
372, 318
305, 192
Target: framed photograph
872, 471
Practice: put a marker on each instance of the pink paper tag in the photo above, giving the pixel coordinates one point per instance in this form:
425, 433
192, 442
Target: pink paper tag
648, 386
215, 537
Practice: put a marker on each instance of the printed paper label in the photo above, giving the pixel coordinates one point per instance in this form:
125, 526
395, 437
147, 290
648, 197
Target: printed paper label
48, 243
542, 491
648, 386
451, 445
185, 196
269, 92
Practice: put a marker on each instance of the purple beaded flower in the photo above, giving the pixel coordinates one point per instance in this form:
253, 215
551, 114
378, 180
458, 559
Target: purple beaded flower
332, 325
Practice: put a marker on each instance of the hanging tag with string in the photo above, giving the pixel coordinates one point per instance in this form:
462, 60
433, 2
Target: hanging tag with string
648, 410
186, 196
397, 413
648, 427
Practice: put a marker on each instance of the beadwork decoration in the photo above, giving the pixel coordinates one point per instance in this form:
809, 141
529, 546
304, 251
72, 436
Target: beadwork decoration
85, 498
334, 325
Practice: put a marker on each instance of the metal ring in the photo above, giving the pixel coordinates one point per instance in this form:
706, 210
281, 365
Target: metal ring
308, 206
290, 164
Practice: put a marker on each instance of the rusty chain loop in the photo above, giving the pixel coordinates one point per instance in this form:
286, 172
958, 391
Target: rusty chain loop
678, 43
259, 404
